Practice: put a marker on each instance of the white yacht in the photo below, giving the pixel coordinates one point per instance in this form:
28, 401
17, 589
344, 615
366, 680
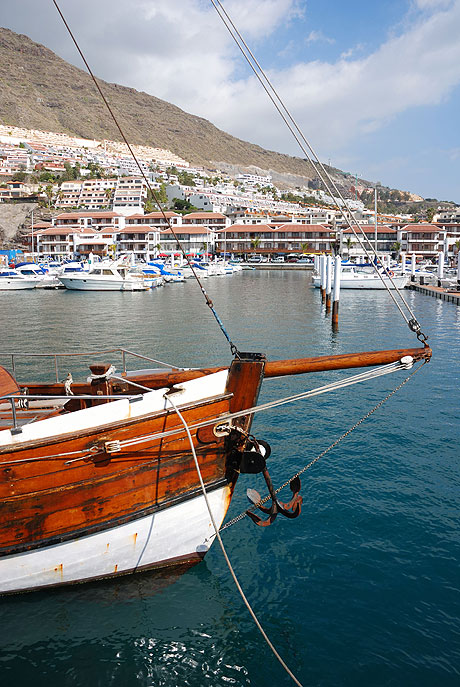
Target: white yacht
38, 274
354, 278
105, 276
10, 279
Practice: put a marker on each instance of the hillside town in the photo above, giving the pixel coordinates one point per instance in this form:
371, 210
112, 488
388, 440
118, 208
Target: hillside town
100, 202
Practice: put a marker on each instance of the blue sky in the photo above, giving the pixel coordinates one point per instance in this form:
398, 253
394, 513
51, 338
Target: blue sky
375, 86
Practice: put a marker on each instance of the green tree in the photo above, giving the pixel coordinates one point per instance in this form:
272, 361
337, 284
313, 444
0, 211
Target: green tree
47, 176
49, 194
19, 176
183, 206
430, 213
186, 179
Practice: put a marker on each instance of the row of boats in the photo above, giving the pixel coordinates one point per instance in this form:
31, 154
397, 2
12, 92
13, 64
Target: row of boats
396, 275
107, 275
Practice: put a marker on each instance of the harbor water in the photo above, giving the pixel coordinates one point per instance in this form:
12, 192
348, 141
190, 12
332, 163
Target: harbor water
362, 590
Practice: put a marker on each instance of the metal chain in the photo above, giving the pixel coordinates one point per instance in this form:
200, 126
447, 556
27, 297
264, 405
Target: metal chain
329, 448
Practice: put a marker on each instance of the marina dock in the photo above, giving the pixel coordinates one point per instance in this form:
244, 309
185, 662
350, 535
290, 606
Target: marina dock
437, 292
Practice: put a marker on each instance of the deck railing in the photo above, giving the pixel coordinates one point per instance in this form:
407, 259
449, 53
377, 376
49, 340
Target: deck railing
58, 356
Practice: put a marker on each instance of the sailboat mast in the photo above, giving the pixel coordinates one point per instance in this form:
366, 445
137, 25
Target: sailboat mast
375, 221
33, 254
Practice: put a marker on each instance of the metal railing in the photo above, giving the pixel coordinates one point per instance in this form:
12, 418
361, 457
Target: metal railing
24, 400
57, 356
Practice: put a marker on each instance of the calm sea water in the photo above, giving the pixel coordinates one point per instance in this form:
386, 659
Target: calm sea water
362, 589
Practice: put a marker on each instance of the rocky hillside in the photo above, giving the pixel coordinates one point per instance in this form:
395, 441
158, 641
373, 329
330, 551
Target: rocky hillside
42, 91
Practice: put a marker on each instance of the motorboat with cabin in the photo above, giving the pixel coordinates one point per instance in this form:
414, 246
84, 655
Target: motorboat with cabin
11, 279
352, 277
105, 276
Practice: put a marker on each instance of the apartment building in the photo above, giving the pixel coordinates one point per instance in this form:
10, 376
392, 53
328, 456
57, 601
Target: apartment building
213, 220
158, 219
425, 240
130, 195
268, 239
386, 238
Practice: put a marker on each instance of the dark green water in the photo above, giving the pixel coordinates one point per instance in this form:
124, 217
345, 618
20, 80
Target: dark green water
361, 590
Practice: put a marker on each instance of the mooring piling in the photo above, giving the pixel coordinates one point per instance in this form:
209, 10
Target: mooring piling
322, 276
440, 267
412, 267
336, 292
328, 282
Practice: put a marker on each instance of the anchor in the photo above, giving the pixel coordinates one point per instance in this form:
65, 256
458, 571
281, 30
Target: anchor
254, 461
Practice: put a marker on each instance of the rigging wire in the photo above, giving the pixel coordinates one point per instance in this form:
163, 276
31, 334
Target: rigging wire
222, 419
167, 396
317, 165
209, 303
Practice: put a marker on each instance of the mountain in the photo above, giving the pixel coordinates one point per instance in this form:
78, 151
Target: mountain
42, 91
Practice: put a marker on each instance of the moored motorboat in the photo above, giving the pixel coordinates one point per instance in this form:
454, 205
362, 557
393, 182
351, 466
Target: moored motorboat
11, 279
105, 276
354, 278
38, 274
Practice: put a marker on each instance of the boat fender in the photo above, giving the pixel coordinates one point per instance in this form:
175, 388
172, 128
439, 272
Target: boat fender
253, 459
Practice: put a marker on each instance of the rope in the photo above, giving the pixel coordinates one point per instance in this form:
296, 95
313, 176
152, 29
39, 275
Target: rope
209, 302
317, 165
323, 453
227, 559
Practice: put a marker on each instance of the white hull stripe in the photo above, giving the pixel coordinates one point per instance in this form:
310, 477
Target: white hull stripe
179, 533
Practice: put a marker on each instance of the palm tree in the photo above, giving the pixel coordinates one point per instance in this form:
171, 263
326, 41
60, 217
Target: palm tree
348, 244
396, 247
49, 194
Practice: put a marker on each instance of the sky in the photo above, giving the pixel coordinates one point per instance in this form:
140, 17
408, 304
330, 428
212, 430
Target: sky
374, 85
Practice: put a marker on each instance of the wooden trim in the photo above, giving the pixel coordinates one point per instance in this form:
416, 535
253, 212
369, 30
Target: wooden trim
114, 522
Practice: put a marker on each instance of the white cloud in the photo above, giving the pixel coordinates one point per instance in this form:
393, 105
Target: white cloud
336, 103
180, 51
318, 37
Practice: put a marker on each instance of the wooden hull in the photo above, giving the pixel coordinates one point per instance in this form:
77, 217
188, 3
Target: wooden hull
76, 506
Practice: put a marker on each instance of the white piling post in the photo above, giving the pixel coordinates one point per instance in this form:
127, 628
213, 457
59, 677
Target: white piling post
336, 292
322, 274
403, 262
458, 270
440, 267
412, 267
316, 264
328, 282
